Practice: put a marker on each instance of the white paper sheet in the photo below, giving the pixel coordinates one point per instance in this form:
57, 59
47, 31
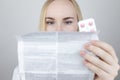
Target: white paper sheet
53, 56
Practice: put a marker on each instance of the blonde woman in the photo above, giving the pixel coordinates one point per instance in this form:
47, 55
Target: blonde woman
63, 15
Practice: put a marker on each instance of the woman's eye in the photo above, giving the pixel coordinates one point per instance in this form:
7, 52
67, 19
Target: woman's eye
49, 22
68, 22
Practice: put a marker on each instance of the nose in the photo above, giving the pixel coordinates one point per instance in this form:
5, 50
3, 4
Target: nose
59, 28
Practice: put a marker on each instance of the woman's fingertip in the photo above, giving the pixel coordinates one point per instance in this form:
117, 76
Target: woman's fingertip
87, 45
85, 62
93, 41
82, 53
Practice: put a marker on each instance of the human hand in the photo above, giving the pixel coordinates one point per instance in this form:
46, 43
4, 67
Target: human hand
106, 66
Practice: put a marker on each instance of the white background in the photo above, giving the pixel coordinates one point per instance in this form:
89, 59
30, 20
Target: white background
22, 16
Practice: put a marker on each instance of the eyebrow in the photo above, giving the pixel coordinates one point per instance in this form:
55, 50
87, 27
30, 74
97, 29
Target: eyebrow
63, 18
68, 18
49, 18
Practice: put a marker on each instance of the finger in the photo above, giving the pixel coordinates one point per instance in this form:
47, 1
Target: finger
101, 53
98, 63
108, 48
100, 73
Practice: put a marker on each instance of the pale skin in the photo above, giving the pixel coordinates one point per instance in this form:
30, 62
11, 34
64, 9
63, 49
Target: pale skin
61, 16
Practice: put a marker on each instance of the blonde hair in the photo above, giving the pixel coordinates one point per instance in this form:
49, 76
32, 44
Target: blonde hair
42, 25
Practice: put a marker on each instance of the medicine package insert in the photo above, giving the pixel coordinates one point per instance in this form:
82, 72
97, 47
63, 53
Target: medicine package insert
53, 56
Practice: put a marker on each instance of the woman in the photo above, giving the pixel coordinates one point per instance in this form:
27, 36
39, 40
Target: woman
63, 15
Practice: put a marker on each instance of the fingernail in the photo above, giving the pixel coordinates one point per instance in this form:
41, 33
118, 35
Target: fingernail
82, 53
93, 41
85, 62
87, 45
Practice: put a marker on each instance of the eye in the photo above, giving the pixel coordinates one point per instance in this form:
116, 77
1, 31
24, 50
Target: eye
68, 22
50, 22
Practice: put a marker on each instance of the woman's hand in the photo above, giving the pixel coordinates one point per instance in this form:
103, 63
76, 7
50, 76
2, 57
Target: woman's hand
106, 66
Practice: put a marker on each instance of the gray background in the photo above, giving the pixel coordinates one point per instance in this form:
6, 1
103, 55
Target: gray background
22, 16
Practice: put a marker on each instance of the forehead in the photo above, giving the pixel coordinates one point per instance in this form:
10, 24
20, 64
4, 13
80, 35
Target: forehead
61, 8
